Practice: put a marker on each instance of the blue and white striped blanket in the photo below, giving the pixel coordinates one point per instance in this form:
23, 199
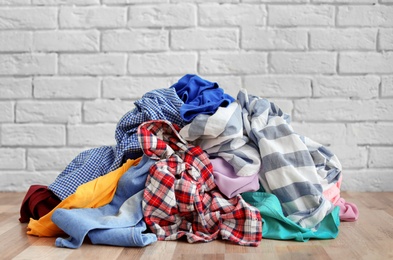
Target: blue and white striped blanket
254, 135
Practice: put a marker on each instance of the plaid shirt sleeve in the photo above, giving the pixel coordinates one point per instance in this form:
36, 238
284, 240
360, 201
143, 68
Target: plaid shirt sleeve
181, 198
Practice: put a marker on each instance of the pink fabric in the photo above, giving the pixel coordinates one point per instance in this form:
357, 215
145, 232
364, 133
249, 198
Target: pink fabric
333, 193
348, 211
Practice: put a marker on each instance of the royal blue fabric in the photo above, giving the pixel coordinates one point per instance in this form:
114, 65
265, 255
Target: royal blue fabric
199, 96
118, 223
154, 105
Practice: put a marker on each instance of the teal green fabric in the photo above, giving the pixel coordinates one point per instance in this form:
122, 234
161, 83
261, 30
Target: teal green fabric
277, 226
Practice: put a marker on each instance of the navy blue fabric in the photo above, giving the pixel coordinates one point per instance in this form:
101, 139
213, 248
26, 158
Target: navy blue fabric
199, 96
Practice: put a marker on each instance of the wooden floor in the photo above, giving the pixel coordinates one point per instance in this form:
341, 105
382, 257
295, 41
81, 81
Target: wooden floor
371, 237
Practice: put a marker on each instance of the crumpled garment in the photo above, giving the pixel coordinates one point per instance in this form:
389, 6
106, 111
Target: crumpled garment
118, 223
93, 194
294, 168
199, 96
228, 182
160, 104
181, 198
38, 202
277, 226
92, 163
348, 211
86, 166
221, 134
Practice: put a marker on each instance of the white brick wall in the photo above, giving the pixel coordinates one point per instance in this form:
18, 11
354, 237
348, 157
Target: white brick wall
69, 69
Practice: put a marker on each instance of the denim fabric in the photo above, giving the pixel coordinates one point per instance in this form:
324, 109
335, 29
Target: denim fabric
121, 216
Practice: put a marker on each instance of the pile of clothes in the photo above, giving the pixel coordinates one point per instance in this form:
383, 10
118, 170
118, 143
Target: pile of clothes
192, 162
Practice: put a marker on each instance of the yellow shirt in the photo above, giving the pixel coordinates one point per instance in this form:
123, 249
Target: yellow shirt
93, 194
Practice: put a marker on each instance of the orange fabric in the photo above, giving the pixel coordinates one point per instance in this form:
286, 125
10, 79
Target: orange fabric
93, 194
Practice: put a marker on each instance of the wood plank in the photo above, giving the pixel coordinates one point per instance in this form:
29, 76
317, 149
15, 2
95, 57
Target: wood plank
371, 237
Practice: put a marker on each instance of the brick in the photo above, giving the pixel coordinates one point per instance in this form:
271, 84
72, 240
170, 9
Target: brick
381, 157
15, 88
135, 40
15, 41
91, 135
14, 2
275, 1
28, 64
303, 62
32, 134
301, 15
102, 111
379, 133
92, 17
7, 111
361, 180
132, 87
366, 62
342, 109
12, 158
116, 2
162, 15
362, 87
204, 38
278, 86
66, 2
48, 111
258, 38
28, 18
385, 39
350, 156
162, 63
231, 14
50, 158
346, 1
387, 86
20, 181
375, 15
343, 39
66, 87
93, 64
323, 133
232, 62
66, 41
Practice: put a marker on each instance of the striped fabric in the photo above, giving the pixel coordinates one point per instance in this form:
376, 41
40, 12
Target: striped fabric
294, 168
221, 134
181, 198
255, 136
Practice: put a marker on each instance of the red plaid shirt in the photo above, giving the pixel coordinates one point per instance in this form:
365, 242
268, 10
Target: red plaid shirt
181, 198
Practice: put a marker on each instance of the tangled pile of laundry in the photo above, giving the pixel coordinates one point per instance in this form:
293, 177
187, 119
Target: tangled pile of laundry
192, 162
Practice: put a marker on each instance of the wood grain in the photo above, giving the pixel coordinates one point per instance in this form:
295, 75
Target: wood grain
371, 237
